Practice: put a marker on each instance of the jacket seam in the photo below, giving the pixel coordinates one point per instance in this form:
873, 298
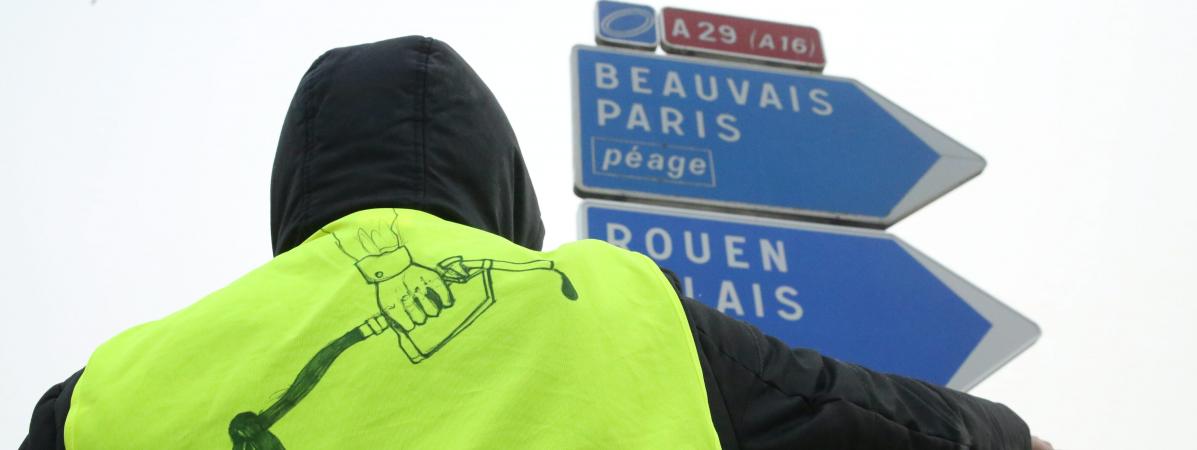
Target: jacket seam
908, 429
309, 116
755, 373
722, 398
422, 129
955, 409
806, 399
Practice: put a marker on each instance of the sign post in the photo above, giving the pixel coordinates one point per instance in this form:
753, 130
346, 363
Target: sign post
860, 295
765, 136
625, 25
754, 139
699, 33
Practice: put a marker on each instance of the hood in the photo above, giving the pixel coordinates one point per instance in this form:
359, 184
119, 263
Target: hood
401, 123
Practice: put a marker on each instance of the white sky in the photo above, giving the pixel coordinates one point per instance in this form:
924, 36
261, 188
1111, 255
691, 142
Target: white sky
137, 140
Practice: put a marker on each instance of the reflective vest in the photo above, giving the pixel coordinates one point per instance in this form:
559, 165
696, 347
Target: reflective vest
396, 329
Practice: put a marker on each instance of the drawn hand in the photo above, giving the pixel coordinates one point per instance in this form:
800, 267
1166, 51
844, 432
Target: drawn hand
1040, 444
414, 296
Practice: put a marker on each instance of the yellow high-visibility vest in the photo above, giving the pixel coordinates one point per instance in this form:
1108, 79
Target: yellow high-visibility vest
395, 329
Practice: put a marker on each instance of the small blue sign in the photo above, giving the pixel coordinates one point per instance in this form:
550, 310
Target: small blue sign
858, 295
625, 25
753, 138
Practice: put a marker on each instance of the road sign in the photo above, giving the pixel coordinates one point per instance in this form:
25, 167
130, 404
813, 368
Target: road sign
625, 25
735, 136
693, 32
860, 295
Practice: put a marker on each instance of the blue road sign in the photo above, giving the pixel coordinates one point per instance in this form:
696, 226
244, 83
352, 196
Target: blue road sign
859, 295
742, 137
625, 25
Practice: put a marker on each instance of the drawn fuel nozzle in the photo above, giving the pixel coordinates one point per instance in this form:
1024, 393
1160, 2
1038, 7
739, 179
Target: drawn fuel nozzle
424, 307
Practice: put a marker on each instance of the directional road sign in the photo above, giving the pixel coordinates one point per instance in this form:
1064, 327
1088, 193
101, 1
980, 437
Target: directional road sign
860, 295
625, 25
694, 32
735, 136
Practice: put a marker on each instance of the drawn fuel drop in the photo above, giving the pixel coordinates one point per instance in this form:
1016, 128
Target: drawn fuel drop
425, 307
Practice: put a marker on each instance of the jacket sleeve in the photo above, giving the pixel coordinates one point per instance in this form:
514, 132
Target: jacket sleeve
765, 395
774, 396
49, 417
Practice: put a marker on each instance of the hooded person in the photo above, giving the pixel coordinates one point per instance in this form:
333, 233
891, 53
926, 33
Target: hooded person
409, 306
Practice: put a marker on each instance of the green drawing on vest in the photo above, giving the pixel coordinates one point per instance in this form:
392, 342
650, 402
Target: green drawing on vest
425, 307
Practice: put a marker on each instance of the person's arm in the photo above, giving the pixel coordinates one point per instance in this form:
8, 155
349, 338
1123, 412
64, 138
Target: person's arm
764, 394
49, 417
774, 396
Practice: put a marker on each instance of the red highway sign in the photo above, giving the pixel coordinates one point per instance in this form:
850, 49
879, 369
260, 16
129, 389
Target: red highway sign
694, 32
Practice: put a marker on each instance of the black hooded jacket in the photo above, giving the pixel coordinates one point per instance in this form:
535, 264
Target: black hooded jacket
407, 123
401, 123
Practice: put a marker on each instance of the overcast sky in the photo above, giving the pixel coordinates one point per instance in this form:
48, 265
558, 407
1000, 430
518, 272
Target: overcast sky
138, 138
